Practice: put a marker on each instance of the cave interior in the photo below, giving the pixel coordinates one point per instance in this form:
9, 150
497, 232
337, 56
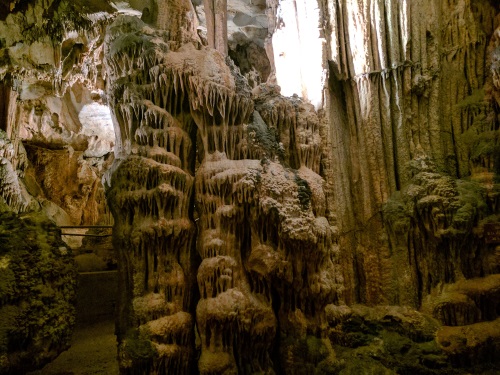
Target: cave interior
251, 186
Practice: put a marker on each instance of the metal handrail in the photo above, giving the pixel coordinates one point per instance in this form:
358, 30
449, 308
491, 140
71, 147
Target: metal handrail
86, 227
86, 235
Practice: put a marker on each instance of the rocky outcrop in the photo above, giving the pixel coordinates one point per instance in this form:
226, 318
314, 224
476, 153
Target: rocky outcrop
342, 228
400, 90
37, 293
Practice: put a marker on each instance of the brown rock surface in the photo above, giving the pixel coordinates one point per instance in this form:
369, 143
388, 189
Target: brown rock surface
342, 227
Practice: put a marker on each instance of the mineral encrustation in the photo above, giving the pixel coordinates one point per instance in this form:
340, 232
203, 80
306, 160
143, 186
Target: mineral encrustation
295, 186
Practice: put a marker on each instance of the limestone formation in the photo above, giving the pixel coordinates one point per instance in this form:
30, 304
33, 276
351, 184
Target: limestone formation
296, 186
260, 211
13, 162
150, 195
399, 91
49, 74
37, 292
216, 19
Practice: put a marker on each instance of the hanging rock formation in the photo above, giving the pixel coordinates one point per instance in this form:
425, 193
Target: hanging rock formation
410, 85
338, 219
13, 164
265, 246
53, 109
150, 197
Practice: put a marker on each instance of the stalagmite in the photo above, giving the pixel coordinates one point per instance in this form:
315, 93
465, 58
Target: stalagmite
341, 218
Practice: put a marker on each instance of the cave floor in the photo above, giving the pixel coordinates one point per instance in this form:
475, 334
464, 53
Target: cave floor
93, 351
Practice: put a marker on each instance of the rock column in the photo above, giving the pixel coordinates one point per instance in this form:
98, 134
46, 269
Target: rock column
216, 16
150, 197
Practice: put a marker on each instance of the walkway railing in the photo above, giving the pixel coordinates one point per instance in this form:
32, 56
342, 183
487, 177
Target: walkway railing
86, 227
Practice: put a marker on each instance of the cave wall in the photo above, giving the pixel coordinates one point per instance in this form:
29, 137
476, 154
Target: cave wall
53, 109
255, 224
52, 156
407, 80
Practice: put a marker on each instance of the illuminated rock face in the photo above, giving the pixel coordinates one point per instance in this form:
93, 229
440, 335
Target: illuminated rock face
246, 222
406, 84
188, 132
296, 46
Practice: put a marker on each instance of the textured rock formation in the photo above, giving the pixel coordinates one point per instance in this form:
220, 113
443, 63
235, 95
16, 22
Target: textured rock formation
432, 221
37, 293
216, 19
345, 228
53, 104
398, 91
385, 340
246, 28
411, 109
151, 193
13, 162
53, 146
266, 273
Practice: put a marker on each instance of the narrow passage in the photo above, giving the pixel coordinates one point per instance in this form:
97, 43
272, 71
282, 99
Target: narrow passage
93, 345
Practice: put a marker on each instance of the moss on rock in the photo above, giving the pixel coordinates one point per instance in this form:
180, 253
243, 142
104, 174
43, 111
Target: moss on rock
37, 292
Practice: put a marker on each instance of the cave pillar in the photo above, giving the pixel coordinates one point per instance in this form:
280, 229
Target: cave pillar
4, 105
178, 18
151, 186
235, 322
8, 109
216, 18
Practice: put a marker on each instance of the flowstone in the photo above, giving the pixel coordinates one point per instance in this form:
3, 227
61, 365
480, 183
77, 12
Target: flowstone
150, 196
198, 168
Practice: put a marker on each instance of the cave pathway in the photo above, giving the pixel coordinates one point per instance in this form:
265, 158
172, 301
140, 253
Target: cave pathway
93, 344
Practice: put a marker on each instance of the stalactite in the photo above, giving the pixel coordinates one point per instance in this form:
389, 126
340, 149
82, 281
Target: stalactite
400, 89
150, 196
13, 163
